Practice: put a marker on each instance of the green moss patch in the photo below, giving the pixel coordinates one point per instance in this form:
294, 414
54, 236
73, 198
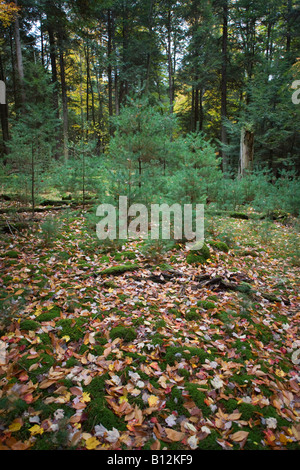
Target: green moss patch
198, 256
119, 269
127, 334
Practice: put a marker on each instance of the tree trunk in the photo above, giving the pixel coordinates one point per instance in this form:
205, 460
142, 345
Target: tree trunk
196, 108
224, 85
246, 152
32, 180
170, 67
87, 62
53, 68
288, 22
149, 53
4, 112
42, 42
13, 68
124, 86
64, 105
109, 65
19, 57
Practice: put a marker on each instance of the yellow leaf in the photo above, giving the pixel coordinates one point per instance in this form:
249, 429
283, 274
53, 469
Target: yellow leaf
279, 373
92, 443
152, 400
15, 426
123, 399
66, 337
85, 397
283, 439
36, 429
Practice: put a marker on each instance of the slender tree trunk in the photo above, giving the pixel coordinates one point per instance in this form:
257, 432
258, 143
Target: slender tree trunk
53, 61
13, 67
42, 42
109, 65
170, 66
149, 53
19, 57
4, 114
246, 152
288, 32
87, 60
192, 122
201, 114
116, 73
124, 87
64, 105
224, 139
196, 108
32, 180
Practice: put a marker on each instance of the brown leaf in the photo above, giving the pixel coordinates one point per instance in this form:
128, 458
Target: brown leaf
234, 416
239, 436
155, 445
174, 435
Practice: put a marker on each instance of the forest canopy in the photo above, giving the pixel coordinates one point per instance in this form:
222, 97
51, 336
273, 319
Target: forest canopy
114, 93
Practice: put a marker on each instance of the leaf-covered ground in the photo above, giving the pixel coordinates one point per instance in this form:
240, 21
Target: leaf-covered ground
153, 357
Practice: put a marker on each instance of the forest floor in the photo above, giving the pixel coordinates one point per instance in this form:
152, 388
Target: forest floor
164, 355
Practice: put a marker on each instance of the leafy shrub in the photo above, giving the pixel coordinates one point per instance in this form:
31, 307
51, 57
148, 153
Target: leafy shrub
154, 250
50, 229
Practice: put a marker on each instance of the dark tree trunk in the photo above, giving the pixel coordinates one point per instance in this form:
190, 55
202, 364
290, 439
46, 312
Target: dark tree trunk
64, 105
4, 113
224, 85
19, 57
53, 61
170, 66
109, 65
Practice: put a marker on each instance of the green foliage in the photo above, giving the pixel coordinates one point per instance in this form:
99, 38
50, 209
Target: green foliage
197, 169
141, 142
154, 250
261, 191
33, 136
50, 229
